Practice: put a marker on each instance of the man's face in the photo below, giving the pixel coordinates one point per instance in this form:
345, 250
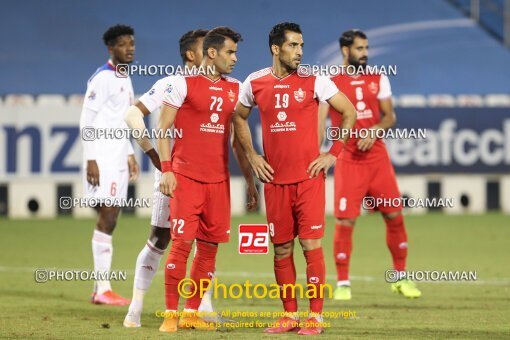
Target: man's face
357, 54
291, 51
198, 52
124, 49
226, 57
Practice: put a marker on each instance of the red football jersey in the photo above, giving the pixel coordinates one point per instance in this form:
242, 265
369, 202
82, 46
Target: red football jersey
364, 92
289, 116
204, 117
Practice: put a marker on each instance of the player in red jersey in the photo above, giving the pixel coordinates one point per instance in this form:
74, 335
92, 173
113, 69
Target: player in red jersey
364, 167
293, 169
196, 174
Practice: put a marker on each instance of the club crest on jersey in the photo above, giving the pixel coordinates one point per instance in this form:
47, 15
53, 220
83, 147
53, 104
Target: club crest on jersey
299, 95
231, 95
92, 95
215, 117
373, 87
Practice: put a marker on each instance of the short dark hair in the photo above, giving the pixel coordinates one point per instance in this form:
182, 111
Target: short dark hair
215, 38
347, 38
188, 41
277, 34
112, 33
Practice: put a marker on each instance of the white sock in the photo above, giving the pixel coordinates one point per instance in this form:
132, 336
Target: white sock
206, 302
147, 264
102, 251
343, 283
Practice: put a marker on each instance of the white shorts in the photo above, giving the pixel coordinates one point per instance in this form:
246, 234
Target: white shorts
160, 205
112, 184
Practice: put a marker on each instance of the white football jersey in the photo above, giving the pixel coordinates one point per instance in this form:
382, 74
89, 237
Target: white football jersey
110, 97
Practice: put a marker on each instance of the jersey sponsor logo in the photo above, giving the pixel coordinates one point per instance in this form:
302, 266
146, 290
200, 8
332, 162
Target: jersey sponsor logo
299, 95
373, 87
282, 125
281, 86
253, 239
357, 82
214, 88
231, 96
151, 92
211, 127
314, 227
169, 88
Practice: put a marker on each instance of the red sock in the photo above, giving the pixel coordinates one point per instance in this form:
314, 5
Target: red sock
285, 273
203, 267
342, 250
175, 271
316, 275
396, 239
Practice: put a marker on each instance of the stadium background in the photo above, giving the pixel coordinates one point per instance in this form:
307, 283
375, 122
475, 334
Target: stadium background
452, 79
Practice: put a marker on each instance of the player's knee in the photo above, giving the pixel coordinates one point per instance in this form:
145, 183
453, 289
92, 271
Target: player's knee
283, 250
348, 222
160, 237
310, 244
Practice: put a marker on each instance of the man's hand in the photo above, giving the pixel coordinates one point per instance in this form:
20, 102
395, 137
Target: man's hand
154, 157
167, 184
260, 167
133, 168
92, 173
253, 197
323, 162
365, 144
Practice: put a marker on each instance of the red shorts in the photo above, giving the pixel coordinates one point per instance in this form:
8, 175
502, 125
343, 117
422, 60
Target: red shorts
354, 181
200, 211
296, 210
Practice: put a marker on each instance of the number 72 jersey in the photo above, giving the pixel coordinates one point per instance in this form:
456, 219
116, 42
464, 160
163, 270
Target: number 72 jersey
205, 109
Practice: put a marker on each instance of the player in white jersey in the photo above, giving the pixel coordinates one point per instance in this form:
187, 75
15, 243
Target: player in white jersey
190, 45
109, 163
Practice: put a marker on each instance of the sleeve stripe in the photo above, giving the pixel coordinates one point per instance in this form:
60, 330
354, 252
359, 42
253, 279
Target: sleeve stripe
168, 104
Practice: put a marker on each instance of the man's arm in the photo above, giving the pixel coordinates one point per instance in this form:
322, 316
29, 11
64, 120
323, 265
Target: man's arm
134, 119
166, 120
323, 115
388, 120
340, 103
244, 165
260, 167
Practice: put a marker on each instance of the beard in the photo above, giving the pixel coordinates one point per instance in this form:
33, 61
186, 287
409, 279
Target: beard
361, 62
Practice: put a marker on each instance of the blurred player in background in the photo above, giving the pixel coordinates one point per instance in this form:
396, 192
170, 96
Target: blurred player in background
293, 169
109, 163
364, 167
147, 263
196, 175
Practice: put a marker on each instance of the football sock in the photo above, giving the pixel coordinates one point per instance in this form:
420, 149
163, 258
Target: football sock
102, 251
396, 239
342, 250
316, 275
285, 273
202, 268
147, 264
175, 271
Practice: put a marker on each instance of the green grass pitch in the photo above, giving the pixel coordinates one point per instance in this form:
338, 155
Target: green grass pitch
61, 309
